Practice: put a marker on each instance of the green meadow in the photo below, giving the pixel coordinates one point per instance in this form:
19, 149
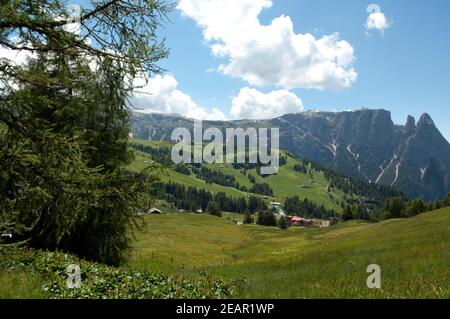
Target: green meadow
21, 285
263, 262
267, 262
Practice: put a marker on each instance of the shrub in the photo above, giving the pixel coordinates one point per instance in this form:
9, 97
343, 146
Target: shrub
347, 213
266, 218
416, 207
213, 208
395, 207
282, 223
248, 218
446, 202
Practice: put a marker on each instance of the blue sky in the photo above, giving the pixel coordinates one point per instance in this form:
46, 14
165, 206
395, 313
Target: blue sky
401, 63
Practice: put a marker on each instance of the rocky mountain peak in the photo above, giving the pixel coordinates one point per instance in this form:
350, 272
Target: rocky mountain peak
363, 144
425, 119
410, 123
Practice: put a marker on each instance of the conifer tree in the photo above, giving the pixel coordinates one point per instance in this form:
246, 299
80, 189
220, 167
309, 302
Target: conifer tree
64, 122
347, 213
248, 218
266, 218
214, 209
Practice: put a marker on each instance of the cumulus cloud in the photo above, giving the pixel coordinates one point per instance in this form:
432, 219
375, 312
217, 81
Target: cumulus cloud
270, 54
160, 94
377, 20
15, 57
253, 104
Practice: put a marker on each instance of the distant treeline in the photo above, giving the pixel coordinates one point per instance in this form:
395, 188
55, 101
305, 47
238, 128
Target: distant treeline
160, 154
373, 194
301, 168
213, 176
192, 198
305, 208
263, 189
395, 207
257, 166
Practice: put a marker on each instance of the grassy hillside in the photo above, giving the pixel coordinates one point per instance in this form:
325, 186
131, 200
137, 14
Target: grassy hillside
414, 255
143, 160
286, 183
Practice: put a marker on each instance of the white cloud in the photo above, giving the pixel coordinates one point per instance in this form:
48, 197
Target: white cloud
15, 57
253, 104
377, 20
160, 94
270, 54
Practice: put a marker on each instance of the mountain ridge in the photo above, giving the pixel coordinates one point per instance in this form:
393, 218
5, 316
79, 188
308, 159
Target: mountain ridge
363, 144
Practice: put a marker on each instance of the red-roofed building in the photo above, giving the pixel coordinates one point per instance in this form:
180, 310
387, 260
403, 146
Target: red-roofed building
299, 221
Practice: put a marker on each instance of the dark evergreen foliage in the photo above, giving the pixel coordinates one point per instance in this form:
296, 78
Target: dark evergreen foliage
255, 204
301, 168
347, 213
213, 208
183, 169
266, 218
64, 126
214, 176
305, 208
192, 198
262, 189
248, 218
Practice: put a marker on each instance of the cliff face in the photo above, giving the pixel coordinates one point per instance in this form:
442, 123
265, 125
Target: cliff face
364, 144
367, 145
